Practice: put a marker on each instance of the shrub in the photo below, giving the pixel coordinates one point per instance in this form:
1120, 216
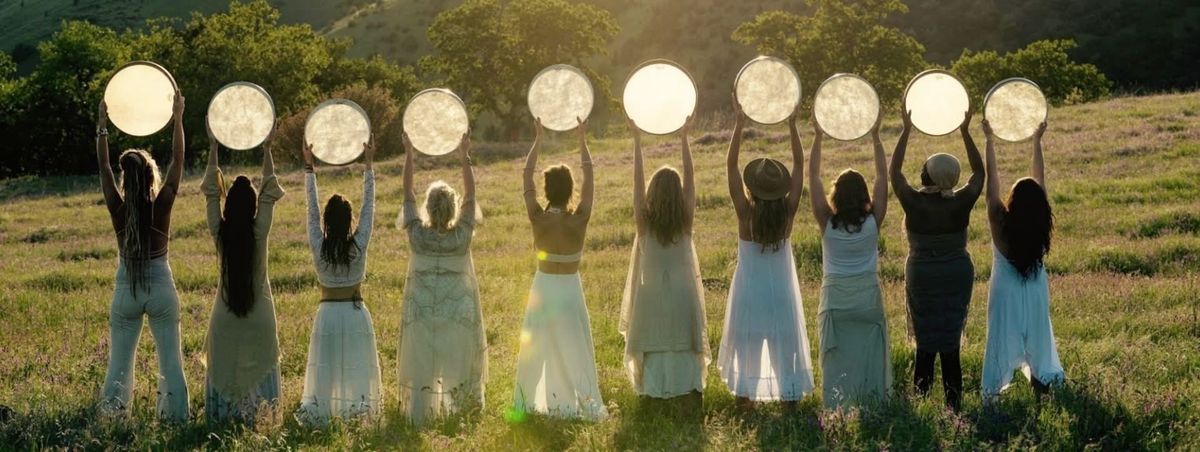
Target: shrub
1046, 62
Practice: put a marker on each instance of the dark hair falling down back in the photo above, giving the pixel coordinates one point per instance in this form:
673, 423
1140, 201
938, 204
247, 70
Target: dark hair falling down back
768, 222
237, 246
1028, 226
851, 201
339, 226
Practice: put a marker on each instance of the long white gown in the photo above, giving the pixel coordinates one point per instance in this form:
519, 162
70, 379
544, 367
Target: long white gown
1019, 334
765, 353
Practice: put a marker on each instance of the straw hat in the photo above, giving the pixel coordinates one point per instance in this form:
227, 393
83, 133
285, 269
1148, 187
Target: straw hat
767, 179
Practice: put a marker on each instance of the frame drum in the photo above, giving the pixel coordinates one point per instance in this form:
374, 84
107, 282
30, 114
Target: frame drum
435, 121
241, 115
768, 90
938, 102
559, 94
337, 129
846, 107
140, 98
659, 97
1015, 108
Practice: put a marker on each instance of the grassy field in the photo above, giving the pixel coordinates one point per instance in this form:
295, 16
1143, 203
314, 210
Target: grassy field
1125, 185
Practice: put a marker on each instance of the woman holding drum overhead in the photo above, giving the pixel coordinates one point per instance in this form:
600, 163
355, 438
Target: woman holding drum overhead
556, 365
342, 376
662, 316
443, 350
939, 274
1019, 334
856, 359
140, 208
242, 347
764, 320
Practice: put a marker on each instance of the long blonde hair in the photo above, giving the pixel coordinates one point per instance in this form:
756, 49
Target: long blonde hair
664, 210
139, 185
441, 206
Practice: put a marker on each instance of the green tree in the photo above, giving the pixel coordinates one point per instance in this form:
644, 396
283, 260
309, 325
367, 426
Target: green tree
1063, 80
840, 36
489, 50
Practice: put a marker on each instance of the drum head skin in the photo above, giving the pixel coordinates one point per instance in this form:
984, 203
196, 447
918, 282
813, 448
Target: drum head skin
846, 107
241, 115
659, 97
558, 95
1015, 108
435, 121
768, 90
337, 129
140, 98
938, 102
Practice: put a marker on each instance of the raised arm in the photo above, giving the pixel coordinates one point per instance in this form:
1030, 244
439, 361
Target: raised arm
587, 192
175, 170
816, 189
689, 177
639, 180
733, 172
532, 208
268, 162
315, 234
793, 198
879, 199
978, 172
211, 187
366, 218
1039, 164
269, 192
896, 169
108, 183
409, 195
995, 207
464, 150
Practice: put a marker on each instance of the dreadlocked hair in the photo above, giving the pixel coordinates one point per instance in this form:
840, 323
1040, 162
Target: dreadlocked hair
339, 224
139, 186
664, 211
237, 248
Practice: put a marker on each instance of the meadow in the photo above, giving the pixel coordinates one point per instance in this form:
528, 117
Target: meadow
1125, 268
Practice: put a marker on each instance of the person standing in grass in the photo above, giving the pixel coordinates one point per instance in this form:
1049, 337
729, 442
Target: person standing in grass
856, 359
140, 209
1019, 334
556, 365
342, 377
443, 350
939, 275
242, 347
662, 314
764, 353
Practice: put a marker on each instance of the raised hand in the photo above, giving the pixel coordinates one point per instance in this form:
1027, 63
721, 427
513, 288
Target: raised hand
687, 126
1041, 130
308, 154
875, 128
464, 147
177, 108
908, 120
581, 128
987, 129
537, 129
739, 116
102, 115
369, 150
966, 124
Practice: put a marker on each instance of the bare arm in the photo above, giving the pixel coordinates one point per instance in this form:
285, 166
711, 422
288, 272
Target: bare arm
639, 181
464, 150
108, 184
409, 195
175, 170
995, 208
689, 178
531, 205
733, 172
879, 199
816, 189
268, 162
793, 198
899, 182
211, 187
978, 172
1039, 164
589, 181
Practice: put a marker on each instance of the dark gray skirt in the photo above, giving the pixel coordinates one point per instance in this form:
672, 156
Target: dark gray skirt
938, 277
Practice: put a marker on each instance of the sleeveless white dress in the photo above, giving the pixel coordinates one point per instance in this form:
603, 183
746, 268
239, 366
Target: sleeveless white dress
1019, 334
765, 353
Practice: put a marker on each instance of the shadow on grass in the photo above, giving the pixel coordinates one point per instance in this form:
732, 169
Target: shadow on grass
663, 424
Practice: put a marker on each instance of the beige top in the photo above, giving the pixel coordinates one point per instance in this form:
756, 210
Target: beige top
241, 351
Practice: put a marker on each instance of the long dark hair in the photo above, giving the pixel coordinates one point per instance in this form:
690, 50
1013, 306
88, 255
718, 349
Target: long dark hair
559, 185
139, 187
768, 222
1028, 226
339, 226
664, 212
237, 246
850, 200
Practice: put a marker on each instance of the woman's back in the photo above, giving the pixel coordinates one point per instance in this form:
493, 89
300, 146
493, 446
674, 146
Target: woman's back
846, 253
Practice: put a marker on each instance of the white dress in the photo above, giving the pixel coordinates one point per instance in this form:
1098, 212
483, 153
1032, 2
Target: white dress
765, 353
1019, 334
556, 367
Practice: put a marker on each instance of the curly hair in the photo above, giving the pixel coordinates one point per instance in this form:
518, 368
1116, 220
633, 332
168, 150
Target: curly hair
236, 239
664, 207
850, 201
339, 226
441, 206
1028, 226
768, 222
559, 185
139, 186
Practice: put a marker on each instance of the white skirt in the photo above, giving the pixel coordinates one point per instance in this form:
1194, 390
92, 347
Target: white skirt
342, 378
556, 367
1019, 333
764, 352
